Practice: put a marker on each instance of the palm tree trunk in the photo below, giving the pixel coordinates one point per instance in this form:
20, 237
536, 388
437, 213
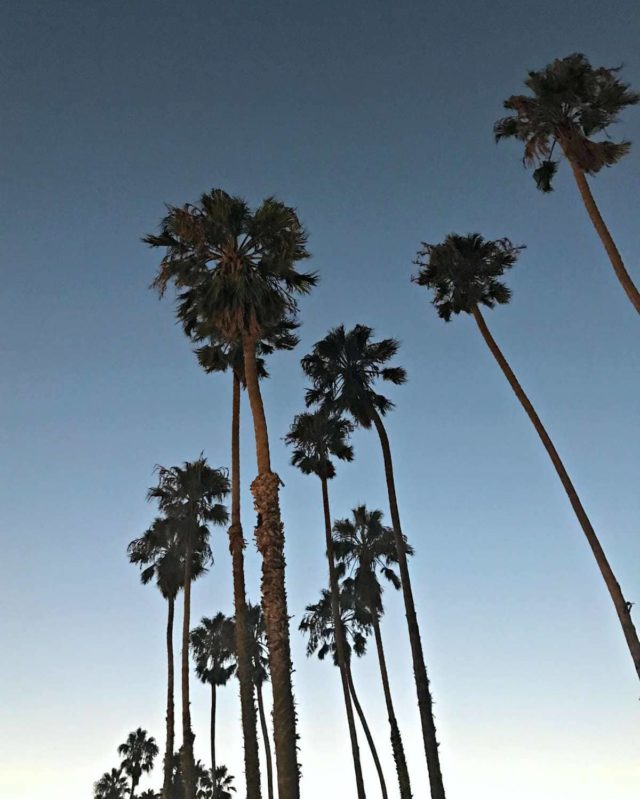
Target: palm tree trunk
265, 739
425, 702
623, 608
188, 765
213, 730
605, 237
242, 643
396, 739
269, 535
367, 732
340, 647
168, 752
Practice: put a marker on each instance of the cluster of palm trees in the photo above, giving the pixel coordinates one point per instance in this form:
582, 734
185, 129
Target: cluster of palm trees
237, 277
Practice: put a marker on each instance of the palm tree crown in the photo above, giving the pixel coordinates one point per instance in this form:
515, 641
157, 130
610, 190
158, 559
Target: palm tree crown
317, 624
212, 647
112, 785
315, 437
138, 753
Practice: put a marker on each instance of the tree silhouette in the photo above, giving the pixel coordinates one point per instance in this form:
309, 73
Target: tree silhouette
138, 753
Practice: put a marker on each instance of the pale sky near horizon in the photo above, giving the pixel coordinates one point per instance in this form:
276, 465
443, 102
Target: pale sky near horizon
374, 120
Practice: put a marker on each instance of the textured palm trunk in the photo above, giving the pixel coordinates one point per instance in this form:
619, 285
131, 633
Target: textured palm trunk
623, 608
168, 752
367, 732
269, 533
340, 641
213, 729
265, 739
425, 702
242, 634
605, 237
188, 765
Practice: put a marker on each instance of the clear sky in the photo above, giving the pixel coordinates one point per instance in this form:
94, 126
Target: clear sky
374, 120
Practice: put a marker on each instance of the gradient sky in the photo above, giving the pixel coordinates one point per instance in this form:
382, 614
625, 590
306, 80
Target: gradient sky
374, 120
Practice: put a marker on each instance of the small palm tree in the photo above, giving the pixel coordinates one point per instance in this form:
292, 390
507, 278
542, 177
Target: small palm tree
464, 272
112, 785
209, 786
570, 103
138, 753
344, 368
366, 549
150, 794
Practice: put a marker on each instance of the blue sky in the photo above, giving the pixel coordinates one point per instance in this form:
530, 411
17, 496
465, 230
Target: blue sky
374, 120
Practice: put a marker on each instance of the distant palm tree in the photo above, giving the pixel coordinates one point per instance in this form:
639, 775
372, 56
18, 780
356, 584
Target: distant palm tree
237, 268
344, 368
365, 548
570, 103
212, 647
464, 272
314, 439
190, 495
150, 794
112, 785
138, 753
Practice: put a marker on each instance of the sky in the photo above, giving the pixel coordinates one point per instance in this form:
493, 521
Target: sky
374, 120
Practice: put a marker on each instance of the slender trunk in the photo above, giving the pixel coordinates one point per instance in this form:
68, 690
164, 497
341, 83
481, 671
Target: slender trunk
396, 739
605, 237
623, 608
188, 765
168, 752
133, 787
242, 634
213, 729
425, 702
340, 641
265, 739
367, 733
269, 535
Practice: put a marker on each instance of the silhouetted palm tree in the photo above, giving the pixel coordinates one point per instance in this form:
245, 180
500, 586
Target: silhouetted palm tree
570, 103
464, 272
344, 368
150, 794
365, 548
138, 753
112, 785
220, 787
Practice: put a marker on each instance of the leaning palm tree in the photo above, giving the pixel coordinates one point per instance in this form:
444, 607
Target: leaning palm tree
366, 549
112, 785
570, 103
190, 496
463, 272
138, 753
212, 648
237, 268
314, 439
344, 368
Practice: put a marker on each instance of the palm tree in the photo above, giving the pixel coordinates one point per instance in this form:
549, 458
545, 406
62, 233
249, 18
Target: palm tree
190, 496
570, 103
355, 622
237, 269
150, 794
343, 368
315, 438
464, 272
212, 648
365, 548
138, 753
112, 785
214, 784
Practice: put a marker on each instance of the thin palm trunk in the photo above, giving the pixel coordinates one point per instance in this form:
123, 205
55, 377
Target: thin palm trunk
367, 732
623, 608
265, 739
425, 701
188, 765
242, 634
133, 787
340, 641
605, 237
213, 729
168, 753
396, 739
269, 534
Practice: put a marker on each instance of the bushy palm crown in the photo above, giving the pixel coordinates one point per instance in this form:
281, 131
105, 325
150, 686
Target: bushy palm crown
570, 102
315, 437
209, 786
464, 271
149, 794
344, 367
112, 785
212, 648
138, 753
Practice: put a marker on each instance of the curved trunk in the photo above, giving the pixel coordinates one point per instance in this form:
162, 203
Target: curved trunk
340, 647
242, 634
623, 608
425, 702
168, 752
605, 237
265, 739
367, 733
188, 765
269, 533
397, 747
213, 729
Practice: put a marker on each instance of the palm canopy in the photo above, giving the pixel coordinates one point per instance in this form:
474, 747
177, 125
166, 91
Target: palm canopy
315, 437
259, 653
138, 753
212, 648
112, 785
465, 271
344, 367
210, 786
570, 102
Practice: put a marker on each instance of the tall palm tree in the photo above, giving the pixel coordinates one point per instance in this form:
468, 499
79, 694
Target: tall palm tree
570, 103
365, 548
190, 496
314, 439
344, 368
463, 272
237, 268
212, 648
112, 785
138, 753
